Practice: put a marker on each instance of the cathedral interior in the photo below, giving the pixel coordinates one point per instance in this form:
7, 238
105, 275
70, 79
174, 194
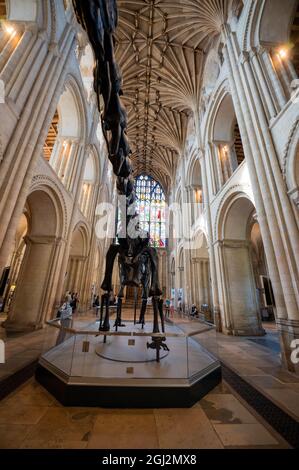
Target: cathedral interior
211, 93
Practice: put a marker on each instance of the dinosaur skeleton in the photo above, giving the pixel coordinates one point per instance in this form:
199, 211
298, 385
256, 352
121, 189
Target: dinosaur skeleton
138, 262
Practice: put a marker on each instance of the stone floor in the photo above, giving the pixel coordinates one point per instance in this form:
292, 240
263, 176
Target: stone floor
259, 364
257, 360
22, 349
31, 418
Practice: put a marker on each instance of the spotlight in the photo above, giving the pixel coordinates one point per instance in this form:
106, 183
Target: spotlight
283, 53
9, 29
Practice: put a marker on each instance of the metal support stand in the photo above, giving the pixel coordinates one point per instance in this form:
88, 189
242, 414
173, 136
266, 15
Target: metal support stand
135, 304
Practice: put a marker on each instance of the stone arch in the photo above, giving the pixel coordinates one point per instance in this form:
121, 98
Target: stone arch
22, 10
194, 171
194, 187
67, 131
240, 307
225, 119
235, 211
14, 262
274, 23
80, 239
49, 187
227, 150
91, 176
201, 293
291, 164
78, 254
218, 94
74, 102
36, 281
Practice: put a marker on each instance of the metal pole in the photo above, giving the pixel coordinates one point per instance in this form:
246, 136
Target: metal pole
135, 304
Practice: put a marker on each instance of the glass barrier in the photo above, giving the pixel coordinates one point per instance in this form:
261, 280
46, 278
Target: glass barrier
202, 350
59, 345
81, 351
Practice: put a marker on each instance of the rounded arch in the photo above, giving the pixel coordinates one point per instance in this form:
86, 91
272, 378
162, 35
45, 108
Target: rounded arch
274, 24
45, 211
67, 130
71, 110
88, 188
200, 240
239, 302
291, 163
218, 94
233, 216
89, 169
22, 10
225, 120
43, 220
225, 139
49, 186
34, 291
92, 171
79, 246
194, 171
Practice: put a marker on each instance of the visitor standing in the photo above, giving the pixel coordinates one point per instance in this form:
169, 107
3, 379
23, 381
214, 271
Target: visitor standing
96, 304
167, 308
75, 301
172, 308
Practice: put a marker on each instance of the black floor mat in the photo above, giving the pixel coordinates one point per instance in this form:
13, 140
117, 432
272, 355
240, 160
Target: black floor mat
278, 419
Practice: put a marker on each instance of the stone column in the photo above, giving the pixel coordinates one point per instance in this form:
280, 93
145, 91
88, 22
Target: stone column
194, 293
239, 290
283, 227
212, 258
37, 276
243, 116
38, 103
205, 281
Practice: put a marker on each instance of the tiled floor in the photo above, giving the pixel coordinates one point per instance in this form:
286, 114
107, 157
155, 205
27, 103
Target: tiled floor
261, 367
20, 350
31, 418
258, 362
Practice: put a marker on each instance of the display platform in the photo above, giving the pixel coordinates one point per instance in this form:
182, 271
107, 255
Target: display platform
83, 370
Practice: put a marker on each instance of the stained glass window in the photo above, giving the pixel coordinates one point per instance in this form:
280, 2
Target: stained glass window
151, 209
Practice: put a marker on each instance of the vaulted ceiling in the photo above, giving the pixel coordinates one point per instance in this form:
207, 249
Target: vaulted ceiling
161, 47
